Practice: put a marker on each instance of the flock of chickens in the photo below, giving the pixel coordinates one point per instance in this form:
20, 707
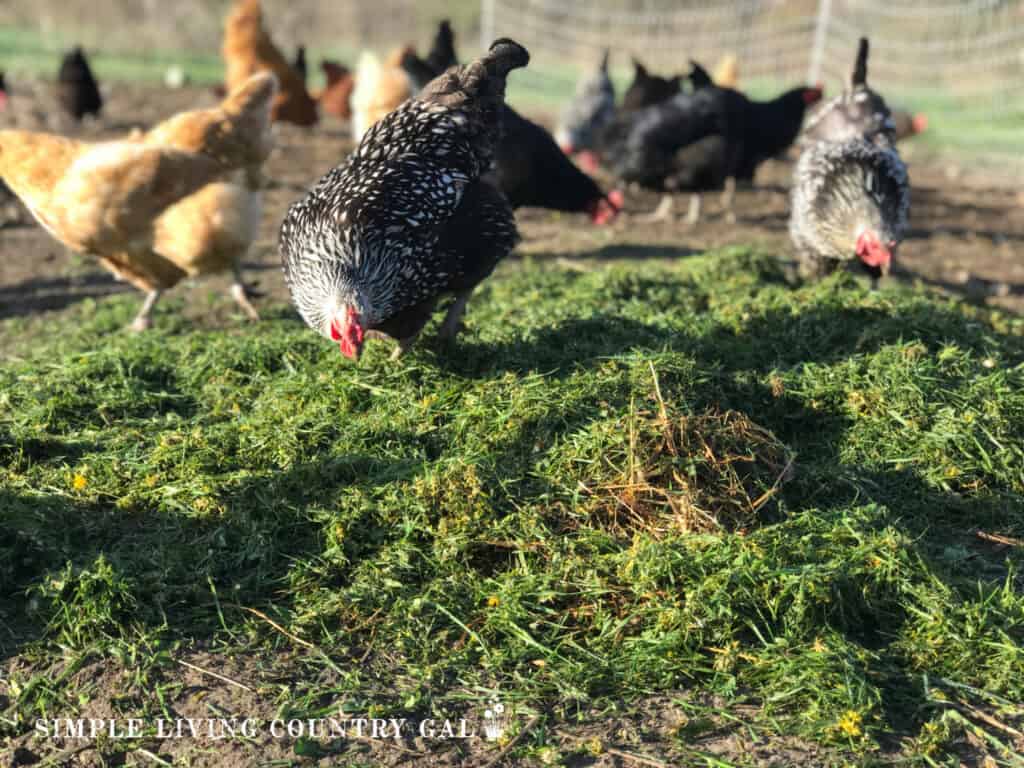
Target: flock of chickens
423, 208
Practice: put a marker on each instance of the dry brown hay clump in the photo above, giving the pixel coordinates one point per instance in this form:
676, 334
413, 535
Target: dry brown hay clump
666, 472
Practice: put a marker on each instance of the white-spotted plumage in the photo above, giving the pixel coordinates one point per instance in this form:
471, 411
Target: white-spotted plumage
841, 188
406, 218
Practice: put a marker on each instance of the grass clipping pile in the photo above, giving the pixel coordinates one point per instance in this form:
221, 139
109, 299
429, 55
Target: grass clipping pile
715, 471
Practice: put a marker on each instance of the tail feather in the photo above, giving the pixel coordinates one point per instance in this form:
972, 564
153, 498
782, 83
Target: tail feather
699, 77
503, 56
860, 67
255, 94
236, 133
442, 51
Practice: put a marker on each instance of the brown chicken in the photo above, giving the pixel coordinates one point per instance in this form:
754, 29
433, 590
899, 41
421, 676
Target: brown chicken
248, 49
380, 88
336, 97
156, 207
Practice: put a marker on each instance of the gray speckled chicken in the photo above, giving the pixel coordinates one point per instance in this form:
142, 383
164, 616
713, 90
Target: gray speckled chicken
406, 218
851, 193
591, 109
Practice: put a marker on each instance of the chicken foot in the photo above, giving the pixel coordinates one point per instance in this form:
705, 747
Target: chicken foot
404, 345
662, 213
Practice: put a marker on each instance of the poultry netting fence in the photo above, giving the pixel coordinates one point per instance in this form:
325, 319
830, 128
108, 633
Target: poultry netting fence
961, 62
159, 28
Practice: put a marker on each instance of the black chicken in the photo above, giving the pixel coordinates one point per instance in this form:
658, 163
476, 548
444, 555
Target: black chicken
299, 65
700, 167
647, 89
532, 170
440, 57
649, 147
442, 50
419, 71
407, 218
77, 91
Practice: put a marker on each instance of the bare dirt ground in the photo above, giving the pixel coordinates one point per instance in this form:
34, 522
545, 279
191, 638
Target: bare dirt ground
967, 232
649, 732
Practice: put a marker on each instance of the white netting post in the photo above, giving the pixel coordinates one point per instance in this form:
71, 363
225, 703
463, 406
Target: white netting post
486, 23
820, 38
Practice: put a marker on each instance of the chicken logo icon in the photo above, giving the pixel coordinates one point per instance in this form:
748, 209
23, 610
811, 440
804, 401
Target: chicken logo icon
496, 720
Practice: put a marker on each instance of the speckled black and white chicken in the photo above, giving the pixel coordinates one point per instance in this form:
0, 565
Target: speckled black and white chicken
406, 219
590, 110
851, 192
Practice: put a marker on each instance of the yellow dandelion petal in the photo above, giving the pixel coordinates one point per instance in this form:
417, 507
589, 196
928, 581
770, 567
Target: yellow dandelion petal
79, 482
850, 723
493, 601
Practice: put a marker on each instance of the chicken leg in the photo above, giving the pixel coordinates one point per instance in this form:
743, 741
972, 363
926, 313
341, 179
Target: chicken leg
729, 199
144, 320
453, 319
693, 214
241, 296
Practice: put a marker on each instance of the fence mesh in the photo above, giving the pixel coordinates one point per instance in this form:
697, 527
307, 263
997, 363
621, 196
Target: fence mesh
959, 61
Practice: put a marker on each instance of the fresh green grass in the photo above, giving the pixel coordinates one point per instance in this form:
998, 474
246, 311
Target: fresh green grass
617, 482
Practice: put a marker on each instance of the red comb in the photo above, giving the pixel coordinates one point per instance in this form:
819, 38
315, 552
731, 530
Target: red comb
350, 335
